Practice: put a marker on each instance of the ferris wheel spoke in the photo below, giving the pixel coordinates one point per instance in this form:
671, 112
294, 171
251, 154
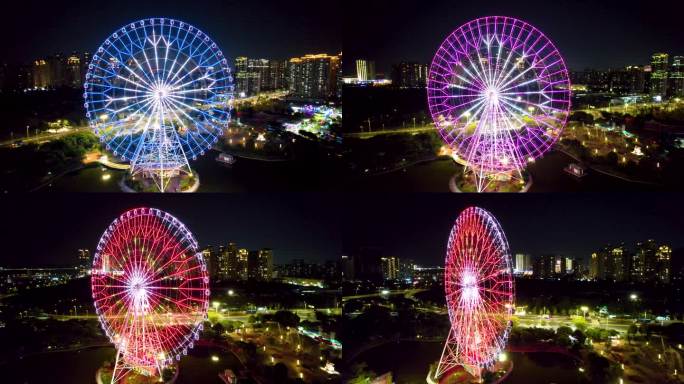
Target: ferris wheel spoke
514, 151
173, 110
503, 72
199, 64
140, 100
179, 48
121, 62
534, 118
144, 86
140, 44
534, 65
129, 140
540, 106
147, 61
208, 116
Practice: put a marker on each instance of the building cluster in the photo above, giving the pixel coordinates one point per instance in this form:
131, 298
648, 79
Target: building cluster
555, 266
309, 77
662, 78
49, 72
370, 264
648, 262
231, 263
403, 75
409, 75
15, 280
253, 76
329, 270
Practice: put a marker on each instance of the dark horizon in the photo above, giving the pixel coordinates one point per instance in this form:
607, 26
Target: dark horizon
417, 226
49, 232
258, 29
589, 34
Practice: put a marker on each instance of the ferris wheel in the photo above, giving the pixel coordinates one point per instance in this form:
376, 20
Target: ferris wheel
158, 92
499, 95
150, 288
480, 293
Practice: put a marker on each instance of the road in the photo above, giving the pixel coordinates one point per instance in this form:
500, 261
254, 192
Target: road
405, 131
43, 137
243, 316
407, 293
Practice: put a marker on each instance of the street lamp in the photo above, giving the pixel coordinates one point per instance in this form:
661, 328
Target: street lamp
231, 292
633, 297
216, 305
584, 310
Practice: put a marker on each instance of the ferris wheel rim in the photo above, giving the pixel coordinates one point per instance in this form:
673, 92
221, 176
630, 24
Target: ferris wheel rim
197, 129
493, 324
169, 342
520, 141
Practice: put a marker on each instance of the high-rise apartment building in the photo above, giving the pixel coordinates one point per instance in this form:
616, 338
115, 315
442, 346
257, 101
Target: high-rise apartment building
315, 77
409, 75
659, 74
390, 268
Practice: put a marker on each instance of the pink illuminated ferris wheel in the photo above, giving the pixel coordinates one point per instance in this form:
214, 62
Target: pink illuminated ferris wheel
151, 288
499, 95
479, 291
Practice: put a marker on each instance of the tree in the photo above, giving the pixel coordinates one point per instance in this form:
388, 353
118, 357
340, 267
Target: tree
600, 369
286, 318
360, 374
579, 322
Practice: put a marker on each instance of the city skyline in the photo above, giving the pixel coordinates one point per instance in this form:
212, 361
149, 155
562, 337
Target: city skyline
250, 29
597, 35
564, 224
299, 229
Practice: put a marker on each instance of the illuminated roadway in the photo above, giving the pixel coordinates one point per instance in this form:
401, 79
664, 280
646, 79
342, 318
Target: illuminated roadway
304, 314
405, 131
43, 137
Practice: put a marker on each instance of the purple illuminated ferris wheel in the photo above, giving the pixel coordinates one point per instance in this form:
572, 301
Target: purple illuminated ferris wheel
499, 95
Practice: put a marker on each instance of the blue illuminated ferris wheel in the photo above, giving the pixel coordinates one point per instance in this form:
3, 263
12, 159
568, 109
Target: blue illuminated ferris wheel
157, 93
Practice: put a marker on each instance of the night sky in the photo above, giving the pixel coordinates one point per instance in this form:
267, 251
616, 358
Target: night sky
47, 230
588, 33
417, 226
255, 28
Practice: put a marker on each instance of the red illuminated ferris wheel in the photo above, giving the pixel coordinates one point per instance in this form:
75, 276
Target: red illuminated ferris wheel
479, 289
150, 287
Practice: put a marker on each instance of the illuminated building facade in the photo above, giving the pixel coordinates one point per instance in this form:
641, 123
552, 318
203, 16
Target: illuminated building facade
651, 262
315, 77
409, 75
84, 261
677, 77
365, 70
59, 71
553, 266
659, 74
390, 268
249, 74
72, 75
523, 264
41, 74
260, 265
